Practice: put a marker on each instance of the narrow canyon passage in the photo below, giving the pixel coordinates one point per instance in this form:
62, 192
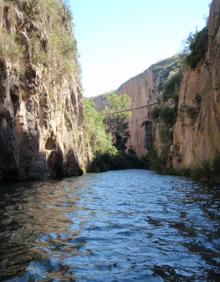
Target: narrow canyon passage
131, 225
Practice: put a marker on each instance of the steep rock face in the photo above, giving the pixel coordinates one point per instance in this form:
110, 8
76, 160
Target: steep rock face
144, 89
197, 131
41, 107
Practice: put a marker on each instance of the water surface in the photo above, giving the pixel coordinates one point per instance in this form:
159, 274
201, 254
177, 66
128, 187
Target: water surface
130, 225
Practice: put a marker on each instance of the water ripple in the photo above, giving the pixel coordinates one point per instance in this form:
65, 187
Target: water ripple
129, 225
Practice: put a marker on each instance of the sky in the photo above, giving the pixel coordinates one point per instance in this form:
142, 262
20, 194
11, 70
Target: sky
118, 39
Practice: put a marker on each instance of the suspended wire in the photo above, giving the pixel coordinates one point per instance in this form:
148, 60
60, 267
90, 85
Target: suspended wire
132, 109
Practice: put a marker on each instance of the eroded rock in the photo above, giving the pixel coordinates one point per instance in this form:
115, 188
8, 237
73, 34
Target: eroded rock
41, 108
196, 137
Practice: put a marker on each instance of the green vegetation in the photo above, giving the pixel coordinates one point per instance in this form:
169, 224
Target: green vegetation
192, 111
99, 140
196, 47
166, 114
116, 121
151, 160
206, 171
165, 69
107, 135
158, 163
34, 8
172, 87
10, 49
62, 47
169, 92
48, 27
31, 9
119, 160
165, 118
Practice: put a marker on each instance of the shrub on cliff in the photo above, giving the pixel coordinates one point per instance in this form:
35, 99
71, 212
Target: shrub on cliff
172, 87
196, 47
9, 47
191, 111
48, 37
166, 114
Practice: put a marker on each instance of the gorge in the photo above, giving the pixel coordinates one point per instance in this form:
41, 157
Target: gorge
183, 129
42, 130
128, 223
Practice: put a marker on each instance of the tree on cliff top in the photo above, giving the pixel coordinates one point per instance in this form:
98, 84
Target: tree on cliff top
116, 120
196, 47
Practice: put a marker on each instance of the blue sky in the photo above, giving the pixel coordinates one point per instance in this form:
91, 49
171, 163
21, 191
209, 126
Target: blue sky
118, 39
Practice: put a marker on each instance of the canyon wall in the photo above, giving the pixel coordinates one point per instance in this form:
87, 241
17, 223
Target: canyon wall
197, 130
144, 89
183, 130
41, 103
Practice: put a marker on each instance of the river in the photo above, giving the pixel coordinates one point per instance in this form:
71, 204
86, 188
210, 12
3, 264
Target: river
131, 225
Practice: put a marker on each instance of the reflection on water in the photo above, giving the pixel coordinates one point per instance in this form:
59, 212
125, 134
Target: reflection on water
129, 225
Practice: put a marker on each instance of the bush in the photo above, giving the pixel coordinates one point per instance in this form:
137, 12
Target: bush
207, 171
31, 9
203, 172
196, 46
56, 49
166, 114
172, 87
156, 112
117, 123
9, 47
120, 160
62, 48
99, 140
152, 160
191, 111
163, 69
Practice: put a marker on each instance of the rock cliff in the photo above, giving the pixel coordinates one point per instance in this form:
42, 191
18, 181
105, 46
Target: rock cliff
183, 130
145, 88
142, 90
41, 106
197, 131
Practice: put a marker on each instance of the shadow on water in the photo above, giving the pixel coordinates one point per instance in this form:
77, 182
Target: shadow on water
32, 214
131, 225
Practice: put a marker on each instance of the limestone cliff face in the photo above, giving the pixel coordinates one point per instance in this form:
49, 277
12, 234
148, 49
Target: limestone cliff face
197, 131
41, 107
145, 88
